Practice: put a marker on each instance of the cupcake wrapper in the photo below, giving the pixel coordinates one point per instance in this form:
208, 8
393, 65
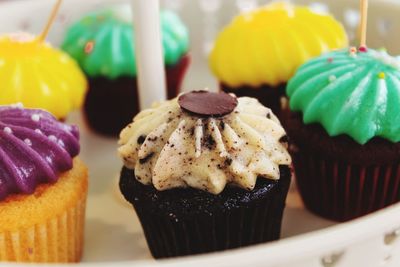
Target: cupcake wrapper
187, 221
111, 104
168, 237
269, 96
59, 239
343, 191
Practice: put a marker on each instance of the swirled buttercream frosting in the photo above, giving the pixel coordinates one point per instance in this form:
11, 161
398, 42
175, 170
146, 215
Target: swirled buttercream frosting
266, 45
34, 148
352, 92
39, 76
103, 41
204, 140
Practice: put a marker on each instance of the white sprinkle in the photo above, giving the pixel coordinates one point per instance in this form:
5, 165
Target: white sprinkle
35, 117
67, 128
28, 142
332, 78
38, 131
18, 105
60, 143
7, 130
53, 138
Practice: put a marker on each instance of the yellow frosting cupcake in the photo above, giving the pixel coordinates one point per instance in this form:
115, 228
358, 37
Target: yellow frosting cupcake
39, 76
265, 46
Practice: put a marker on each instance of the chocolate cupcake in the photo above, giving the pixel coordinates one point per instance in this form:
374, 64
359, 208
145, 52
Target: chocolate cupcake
345, 127
205, 172
259, 51
103, 45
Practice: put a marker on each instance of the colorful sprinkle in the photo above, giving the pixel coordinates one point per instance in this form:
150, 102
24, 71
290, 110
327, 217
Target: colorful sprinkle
28, 142
381, 75
52, 138
332, 78
18, 105
35, 117
363, 49
330, 60
7, 130
89, 47
353, 52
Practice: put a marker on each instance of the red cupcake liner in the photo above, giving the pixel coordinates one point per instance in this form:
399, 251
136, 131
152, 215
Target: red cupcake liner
342, 191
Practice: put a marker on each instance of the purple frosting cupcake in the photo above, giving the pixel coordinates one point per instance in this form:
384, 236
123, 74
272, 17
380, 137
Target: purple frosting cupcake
34, 148
43, 188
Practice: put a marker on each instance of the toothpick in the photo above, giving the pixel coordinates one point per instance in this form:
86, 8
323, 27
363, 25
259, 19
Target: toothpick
363, 22
50, 21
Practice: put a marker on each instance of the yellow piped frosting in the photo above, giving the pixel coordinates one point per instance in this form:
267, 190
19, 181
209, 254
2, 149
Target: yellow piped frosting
39, 76
268, 44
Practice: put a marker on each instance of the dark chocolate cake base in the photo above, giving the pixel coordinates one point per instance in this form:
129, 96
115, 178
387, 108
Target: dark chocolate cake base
188, 221
338, 178
110, 105
269, 96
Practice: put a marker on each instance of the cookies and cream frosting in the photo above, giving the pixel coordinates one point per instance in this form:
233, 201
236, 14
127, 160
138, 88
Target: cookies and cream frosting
266, 45
204, 140
34, 148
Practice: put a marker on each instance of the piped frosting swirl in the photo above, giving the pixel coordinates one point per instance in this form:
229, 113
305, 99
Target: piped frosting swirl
39, 76
352, 92
103, 41
170, 147
34, 148
266, 45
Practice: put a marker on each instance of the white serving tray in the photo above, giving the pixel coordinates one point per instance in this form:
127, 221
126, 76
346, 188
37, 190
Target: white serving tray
113, 234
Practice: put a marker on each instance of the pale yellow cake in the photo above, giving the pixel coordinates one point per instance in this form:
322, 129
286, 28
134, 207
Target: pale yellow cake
48, 225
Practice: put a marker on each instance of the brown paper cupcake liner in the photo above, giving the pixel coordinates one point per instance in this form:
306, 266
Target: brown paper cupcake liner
202, 222
342, 191
59, 239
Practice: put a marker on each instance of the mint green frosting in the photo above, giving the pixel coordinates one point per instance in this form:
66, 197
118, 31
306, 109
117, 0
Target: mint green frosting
102, 42
352, 93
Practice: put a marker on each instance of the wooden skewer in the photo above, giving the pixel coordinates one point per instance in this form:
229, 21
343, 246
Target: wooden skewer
50, 21
363, 22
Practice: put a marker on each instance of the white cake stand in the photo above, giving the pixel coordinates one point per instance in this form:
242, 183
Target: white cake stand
113, 233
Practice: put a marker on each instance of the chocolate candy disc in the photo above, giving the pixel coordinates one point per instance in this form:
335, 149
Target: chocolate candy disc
207, 104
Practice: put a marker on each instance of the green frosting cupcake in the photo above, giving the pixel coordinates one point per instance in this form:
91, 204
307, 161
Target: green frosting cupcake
350, 92
102, 42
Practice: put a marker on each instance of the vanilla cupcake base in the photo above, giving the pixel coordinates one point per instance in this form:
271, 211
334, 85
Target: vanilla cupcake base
48, 225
